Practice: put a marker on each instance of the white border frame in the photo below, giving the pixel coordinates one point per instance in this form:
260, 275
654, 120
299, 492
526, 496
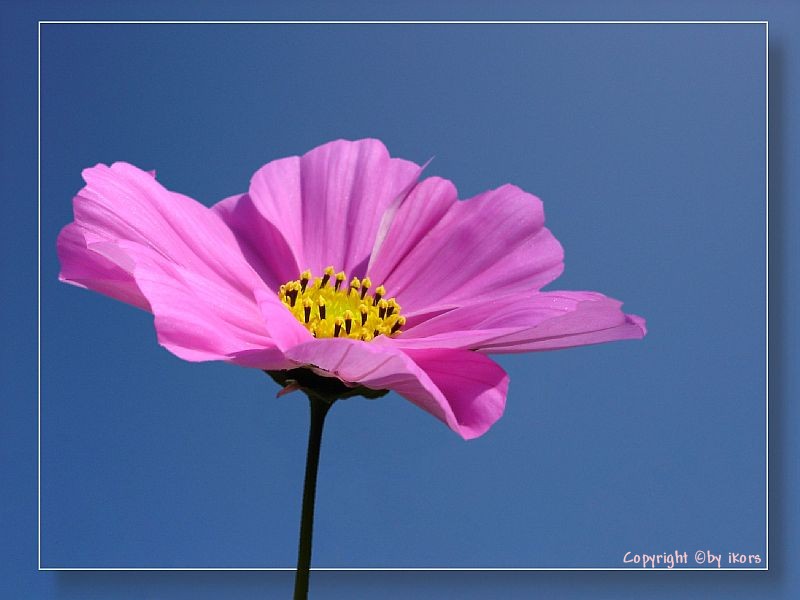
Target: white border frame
39, 290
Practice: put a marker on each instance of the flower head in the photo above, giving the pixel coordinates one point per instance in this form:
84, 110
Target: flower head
343, 263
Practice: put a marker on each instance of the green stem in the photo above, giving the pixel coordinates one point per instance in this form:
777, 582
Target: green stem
319, 408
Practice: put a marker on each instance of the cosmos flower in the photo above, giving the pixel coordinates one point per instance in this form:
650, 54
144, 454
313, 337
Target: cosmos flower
341, 264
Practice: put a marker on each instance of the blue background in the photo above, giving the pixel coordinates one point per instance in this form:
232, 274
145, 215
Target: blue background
645, 143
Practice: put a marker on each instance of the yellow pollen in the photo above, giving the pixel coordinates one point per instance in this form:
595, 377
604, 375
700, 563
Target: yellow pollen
365, 285
355, 284
328, 308
380, 292
340, 277
328, 274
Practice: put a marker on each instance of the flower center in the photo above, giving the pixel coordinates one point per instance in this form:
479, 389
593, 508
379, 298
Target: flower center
328, 307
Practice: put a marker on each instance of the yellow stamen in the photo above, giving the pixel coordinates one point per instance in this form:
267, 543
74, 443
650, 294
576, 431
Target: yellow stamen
398, 324
340, 277
338, 311
380, 292
321, 305
305, 276
383, 305
328, 274
348, 321
291, 292
365, 285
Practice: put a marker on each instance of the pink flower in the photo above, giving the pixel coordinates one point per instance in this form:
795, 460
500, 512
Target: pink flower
341, 261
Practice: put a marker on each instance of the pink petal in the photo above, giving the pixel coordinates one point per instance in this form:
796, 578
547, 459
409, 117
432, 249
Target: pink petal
591, 323
452, 253
474, 385
327, 204
90, 270
542, 321
122, 202
389, 214
179, 255
284, 329
465, 390
196, 318
261, 242
410, 221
